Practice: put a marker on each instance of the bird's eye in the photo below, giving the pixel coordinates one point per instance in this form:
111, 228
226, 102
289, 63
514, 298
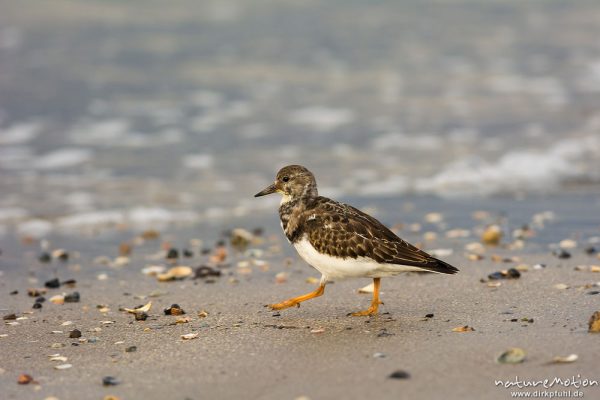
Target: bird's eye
285, 178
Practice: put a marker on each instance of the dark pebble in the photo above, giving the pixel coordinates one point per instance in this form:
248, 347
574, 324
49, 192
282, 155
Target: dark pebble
45, 258
188, 253
131, 349
429, 316
52, 283
514, 320
64, 256
75, 333
36, 306
40, 299
399, 375
174, 310
508, 274
562, 254
69, 282
72, 298
258, 231
110, 381
14, 292
74, 344
276, 314
205, 271
205, 252
9, 317
172, 254
593, 292
590, 250
141, 316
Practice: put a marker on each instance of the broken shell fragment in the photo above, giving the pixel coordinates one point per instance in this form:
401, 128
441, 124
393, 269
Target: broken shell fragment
594, 323
370, 288
63, 366
153, 270
566, 359
465, 328
180, 272
189, 336
513, 355
145, 308
57, 299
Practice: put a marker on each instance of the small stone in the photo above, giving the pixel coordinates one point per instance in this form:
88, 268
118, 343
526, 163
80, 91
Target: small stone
175, 309
141, 316
428, 315
52, 283
9, 317
75, 333
379, 355
492, 235
45, 257
14, 292
172, 254
590, 250
60, 254
36, 306
188, 253
561, 286
189, 336
399, 375
24, 379
204, 271
131, 349
63, 366
465, 328
562, 254
110, 381
72, 298
511, 273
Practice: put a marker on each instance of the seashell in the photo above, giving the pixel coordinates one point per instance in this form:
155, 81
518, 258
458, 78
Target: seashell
189, 336
145, 308
180, 272
566, 359
58, 299
63, 366
465, 328
561, 286
513, 355
492, 235
370, 288
153, 270
594, 323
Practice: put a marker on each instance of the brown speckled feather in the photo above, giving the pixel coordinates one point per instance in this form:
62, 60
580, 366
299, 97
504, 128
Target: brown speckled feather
340, 230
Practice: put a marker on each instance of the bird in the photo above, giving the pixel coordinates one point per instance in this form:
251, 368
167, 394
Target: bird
341, 241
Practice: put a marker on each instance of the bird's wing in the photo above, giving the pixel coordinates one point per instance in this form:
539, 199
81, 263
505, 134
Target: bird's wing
340, 230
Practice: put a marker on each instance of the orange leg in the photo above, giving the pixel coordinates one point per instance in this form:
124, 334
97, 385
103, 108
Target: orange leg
295, 301
374, 303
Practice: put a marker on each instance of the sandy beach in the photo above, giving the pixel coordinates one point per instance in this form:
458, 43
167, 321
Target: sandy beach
243, 350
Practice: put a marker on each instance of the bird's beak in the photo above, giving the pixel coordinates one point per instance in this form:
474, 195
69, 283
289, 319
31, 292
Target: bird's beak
268, 190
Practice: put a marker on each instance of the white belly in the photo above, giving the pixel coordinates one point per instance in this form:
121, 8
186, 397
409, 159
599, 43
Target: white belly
340, 268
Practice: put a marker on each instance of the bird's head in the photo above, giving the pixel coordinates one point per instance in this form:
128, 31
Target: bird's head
293, 182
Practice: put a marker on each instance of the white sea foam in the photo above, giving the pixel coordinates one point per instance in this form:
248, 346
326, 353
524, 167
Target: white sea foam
322, 119
402, 141
518, 170
63, 158
20, 133
198, 161
37, 228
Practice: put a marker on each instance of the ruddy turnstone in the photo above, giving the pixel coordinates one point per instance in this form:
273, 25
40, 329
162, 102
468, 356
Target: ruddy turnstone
339, 240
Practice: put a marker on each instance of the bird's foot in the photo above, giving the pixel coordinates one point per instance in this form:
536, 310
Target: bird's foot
283, 305
366, 313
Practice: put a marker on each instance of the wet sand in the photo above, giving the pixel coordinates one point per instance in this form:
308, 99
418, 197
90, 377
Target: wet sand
245, 351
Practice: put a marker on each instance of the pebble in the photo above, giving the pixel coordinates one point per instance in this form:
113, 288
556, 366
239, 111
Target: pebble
141, 316
465, 328
379, 355
172, 254
75, 333
131, 349
562, 254
561, 286
567, 244
174, 309
45, 257
9, 317
24, 379
110, 381
63, 366
189, 336
511, 273
399, 374
204, 271
565, 359
72, 297
492, 235
52, 283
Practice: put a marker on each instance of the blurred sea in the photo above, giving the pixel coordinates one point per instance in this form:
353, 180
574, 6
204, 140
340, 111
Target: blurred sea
127, 113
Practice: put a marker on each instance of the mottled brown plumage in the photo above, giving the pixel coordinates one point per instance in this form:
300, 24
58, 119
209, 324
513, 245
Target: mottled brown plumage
320, 227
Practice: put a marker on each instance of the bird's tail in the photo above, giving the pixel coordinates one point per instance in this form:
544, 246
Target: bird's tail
440, 267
